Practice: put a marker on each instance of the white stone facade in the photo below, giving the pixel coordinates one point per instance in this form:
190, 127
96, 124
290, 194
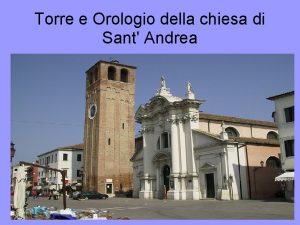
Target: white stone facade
284, 119
68, 158
285, 129
186, 157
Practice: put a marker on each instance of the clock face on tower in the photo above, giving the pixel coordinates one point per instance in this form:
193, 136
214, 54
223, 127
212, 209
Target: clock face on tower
92, 111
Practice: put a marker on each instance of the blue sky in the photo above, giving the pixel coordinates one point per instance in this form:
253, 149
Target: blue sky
48, 91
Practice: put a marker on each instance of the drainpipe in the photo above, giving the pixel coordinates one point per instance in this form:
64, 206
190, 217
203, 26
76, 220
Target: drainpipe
248, 170
238, 155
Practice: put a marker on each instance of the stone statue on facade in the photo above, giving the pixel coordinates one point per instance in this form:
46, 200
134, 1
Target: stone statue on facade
163, 90
224, 134
189, 87
189, 91
162, 82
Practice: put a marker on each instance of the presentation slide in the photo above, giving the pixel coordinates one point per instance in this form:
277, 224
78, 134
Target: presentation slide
165, 111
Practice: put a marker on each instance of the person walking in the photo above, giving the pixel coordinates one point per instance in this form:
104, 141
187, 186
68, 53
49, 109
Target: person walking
33, 193
50, 194
55, 194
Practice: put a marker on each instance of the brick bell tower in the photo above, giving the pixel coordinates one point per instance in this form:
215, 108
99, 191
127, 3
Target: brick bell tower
109, 127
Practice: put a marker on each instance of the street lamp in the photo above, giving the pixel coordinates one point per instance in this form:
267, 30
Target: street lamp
12, 151
262, 163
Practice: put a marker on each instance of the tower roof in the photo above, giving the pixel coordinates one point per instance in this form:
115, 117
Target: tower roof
112, 62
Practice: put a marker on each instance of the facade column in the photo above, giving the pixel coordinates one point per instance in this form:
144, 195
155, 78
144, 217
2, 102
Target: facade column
157, 182
183, 156
147, 192
183, 188
191, 167
174, 194
190, 149
183, 148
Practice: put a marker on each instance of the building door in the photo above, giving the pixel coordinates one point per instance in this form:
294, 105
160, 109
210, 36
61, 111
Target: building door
166, 174
108, 188
210, 185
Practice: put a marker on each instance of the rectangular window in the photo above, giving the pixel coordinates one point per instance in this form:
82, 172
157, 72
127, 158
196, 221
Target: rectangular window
66, 172
165, 140
289, 114
79, 157
78, 173
55, 157
65, 157
289, 148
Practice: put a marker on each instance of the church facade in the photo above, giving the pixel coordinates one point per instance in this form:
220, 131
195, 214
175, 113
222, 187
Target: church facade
186, 154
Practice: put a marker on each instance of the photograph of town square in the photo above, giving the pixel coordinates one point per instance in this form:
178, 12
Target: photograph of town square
143, 136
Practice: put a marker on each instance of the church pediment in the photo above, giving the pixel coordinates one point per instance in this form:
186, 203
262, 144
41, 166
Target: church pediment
157, 104
208, 166
160, 156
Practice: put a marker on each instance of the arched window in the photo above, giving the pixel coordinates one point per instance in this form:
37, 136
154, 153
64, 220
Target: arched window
108, 141
272, 135
273, 162
111, 73
124, 75
232, 132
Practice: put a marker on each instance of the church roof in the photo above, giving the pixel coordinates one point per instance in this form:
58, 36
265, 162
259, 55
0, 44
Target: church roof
260, 141
246, 140
232, 119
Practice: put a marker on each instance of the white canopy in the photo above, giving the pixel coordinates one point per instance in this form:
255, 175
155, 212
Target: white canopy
287, 176
19, 192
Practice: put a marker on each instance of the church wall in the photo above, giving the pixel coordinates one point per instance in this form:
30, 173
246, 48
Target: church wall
214, 159
261, 132
203, 125
244, 130
237, 169
201, 140
262, 179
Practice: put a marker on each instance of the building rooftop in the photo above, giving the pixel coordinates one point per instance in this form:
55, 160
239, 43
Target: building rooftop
69, 147
261, 141
272, 98
232, 119
112, 62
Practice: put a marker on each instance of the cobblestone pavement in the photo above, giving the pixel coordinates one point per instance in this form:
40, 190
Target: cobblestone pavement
180, 210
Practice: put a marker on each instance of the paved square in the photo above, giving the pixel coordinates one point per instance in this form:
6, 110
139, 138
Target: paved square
181, 210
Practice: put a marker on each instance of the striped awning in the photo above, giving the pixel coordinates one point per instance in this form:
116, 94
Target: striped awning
287, 176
